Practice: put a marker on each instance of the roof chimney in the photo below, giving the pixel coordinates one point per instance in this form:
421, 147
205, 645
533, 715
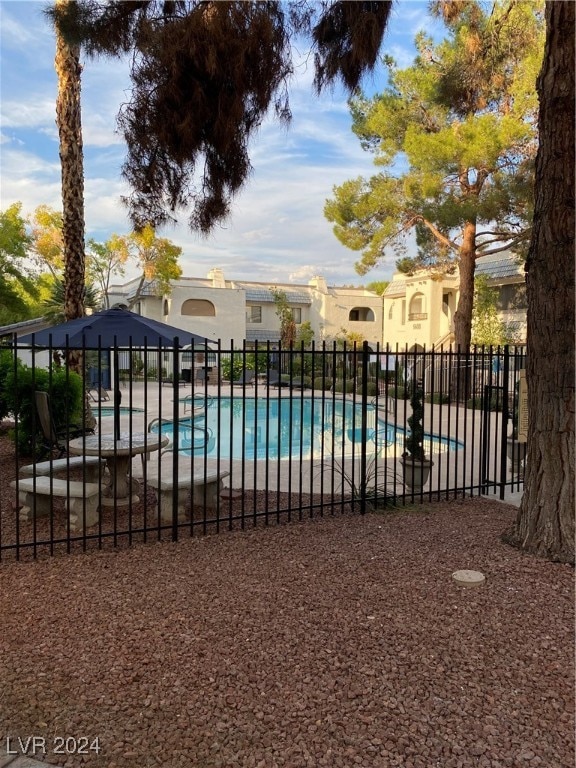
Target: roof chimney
319, 283
217, 276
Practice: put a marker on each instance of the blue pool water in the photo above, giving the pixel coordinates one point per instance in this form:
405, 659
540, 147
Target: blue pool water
285, 427
108, 410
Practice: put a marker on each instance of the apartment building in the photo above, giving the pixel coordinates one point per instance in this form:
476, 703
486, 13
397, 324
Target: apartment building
239, 312
419, 309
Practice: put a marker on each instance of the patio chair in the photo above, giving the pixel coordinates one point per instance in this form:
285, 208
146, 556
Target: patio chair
245, 378
273, 379
55, 438
98, 394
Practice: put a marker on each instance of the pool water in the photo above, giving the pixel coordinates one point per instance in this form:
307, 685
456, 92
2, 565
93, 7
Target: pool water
281, 428
108, 410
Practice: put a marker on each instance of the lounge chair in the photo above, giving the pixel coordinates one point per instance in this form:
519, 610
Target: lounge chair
273, 379
98, 394
245, 378
55, 437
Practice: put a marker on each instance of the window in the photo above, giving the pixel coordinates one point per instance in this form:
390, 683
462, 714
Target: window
198, 308
417, 309
297, 315
253, 314
361, 314
512, 296
403, 311
391, 311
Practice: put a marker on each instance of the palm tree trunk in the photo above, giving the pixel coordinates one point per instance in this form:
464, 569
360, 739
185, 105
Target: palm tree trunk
68, 119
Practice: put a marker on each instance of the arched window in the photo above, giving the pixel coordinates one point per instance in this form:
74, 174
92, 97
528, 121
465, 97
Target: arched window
166, 307
417, 309
361, 315
198, 308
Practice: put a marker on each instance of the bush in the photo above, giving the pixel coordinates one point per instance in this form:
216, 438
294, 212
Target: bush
321, 383
441, 398
6, 368
477, 403
66, 401
371, 387
400, 393
341, 386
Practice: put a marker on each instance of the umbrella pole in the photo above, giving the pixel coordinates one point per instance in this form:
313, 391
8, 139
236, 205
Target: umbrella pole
117, 394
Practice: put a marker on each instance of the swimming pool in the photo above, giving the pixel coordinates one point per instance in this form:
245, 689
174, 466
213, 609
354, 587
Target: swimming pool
281, 428
108, 410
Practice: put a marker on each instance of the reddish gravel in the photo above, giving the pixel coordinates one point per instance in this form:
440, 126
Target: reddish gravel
340, 642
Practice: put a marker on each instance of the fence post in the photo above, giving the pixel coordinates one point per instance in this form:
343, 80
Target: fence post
503, 434
175, 434
364, 427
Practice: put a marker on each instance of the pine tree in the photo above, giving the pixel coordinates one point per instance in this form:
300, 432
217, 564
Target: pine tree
454, 138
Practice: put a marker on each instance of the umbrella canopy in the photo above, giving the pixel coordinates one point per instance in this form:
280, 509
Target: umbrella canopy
112, 328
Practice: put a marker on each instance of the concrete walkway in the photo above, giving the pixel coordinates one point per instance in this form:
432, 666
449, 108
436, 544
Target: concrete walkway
510, 497
19, 761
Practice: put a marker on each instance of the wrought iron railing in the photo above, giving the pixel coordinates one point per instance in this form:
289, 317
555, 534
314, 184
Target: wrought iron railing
312, 432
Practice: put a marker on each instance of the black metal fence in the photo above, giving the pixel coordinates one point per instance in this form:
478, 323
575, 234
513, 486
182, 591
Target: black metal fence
195, 441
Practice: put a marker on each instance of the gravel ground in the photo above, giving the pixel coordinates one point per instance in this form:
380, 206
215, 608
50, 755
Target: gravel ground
336, 642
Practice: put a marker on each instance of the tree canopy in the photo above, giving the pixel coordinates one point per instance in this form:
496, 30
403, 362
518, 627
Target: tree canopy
204, 75
17, 286
454, 137
487, 327
156, 258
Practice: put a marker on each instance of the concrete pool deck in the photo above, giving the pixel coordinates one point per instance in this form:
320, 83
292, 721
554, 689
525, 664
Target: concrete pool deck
455, 468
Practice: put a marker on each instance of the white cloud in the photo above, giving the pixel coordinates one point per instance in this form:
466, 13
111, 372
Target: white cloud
31, 111
303, 274
277, 231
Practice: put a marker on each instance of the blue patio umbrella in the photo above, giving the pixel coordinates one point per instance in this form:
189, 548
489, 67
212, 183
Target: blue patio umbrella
113, 328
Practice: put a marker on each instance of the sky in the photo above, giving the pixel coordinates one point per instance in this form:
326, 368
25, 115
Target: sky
276, 232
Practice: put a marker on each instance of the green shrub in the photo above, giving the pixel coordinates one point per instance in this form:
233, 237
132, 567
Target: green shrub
234, 366
477, 402
66, 401
400, 393
322, 383
371, 387
441, 398
6, 368
341, 386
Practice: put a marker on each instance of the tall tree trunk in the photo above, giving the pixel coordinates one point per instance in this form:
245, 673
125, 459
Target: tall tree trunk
466, 267
545, 521
68, 119
461, 376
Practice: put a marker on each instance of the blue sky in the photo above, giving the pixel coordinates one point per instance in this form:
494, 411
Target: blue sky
277, 231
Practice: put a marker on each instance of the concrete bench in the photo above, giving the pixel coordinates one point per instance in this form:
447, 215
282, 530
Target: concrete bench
205, 488
81, 499
92, 464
